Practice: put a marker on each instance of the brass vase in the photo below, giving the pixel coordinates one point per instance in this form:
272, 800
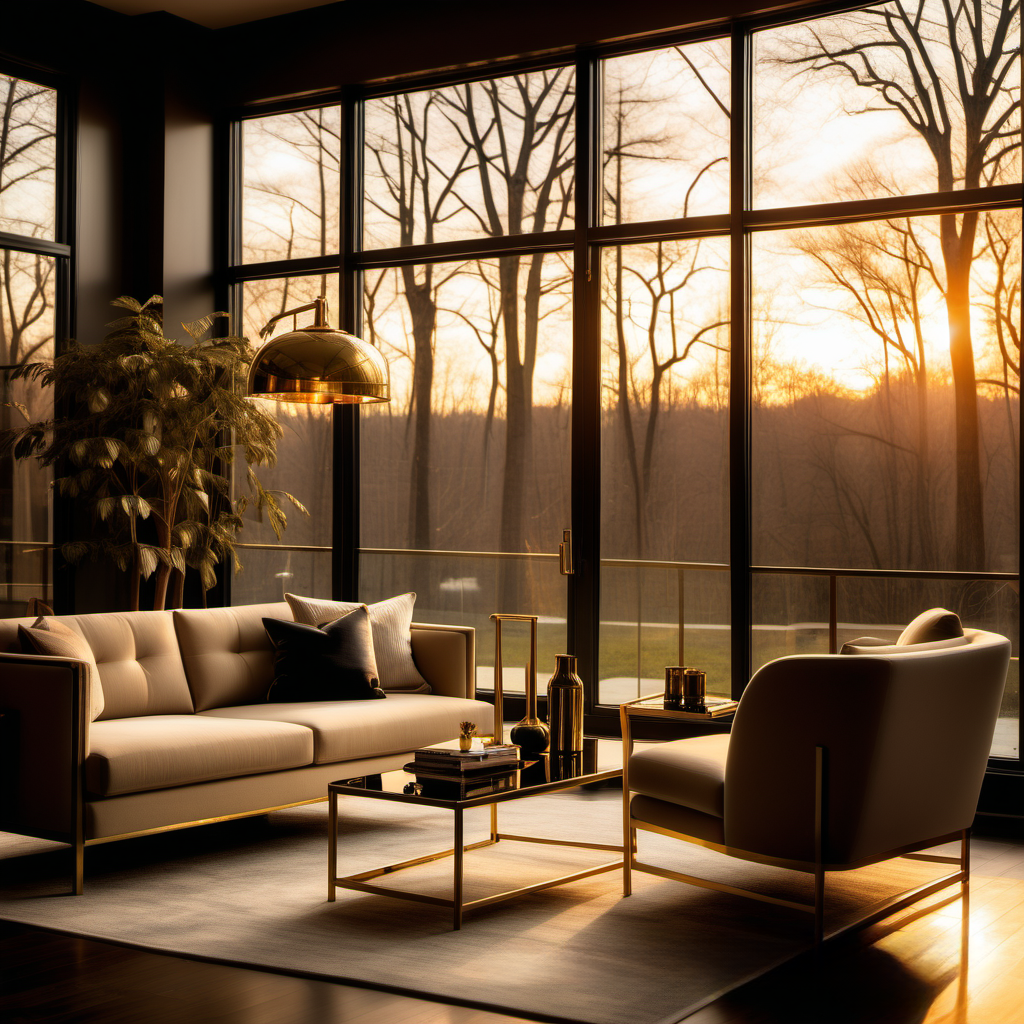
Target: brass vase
565, 707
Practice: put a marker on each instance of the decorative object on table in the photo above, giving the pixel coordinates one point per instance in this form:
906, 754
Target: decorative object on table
317, 364
448, 773
673, 685
448, 760
466, 731
656, 706
531, 734
134, 405
694, 686
565, 707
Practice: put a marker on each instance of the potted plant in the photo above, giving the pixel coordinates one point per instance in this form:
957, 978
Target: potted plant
145, 433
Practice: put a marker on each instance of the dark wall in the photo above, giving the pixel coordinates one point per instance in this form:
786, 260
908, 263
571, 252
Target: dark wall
360, 41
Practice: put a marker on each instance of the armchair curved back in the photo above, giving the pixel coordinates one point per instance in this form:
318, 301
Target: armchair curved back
907, 735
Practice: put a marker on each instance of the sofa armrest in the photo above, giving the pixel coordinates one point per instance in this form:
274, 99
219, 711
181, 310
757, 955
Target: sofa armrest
446, 657
45, 733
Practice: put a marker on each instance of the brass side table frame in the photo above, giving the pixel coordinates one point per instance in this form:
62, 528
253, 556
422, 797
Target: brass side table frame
363, 881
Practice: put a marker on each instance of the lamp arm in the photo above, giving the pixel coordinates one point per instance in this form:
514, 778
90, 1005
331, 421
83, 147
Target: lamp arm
319, 304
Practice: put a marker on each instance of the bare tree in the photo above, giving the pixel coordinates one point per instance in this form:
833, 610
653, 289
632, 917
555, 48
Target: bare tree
27, 164
946, 69
417, 197
519, 130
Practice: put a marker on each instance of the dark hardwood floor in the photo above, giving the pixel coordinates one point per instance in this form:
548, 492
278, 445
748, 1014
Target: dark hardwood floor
906, 970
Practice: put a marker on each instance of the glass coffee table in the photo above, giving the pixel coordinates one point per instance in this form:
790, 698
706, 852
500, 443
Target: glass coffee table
542, 775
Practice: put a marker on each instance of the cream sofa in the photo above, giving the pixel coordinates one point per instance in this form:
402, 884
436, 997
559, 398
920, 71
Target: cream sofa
185, 735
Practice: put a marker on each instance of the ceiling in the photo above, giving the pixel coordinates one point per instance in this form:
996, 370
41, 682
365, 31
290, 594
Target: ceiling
213, 13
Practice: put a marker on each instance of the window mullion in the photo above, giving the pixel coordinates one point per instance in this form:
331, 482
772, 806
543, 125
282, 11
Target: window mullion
739, 375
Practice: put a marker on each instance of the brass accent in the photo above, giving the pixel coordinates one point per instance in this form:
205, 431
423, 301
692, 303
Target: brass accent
565, 708
318, 365
565, 566
531, 733
457, 903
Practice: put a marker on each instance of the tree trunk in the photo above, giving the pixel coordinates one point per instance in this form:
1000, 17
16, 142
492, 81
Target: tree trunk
970, 523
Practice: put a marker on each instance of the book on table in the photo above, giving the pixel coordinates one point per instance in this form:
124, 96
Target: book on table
455, 788
460, 762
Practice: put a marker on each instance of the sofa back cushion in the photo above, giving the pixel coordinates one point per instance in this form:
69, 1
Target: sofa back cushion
227, 655
138, 665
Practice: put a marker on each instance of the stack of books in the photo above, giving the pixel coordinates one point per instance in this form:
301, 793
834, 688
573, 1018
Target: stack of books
460, 774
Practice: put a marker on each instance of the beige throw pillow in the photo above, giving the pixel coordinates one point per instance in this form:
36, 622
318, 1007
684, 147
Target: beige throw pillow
53, 638
390, 623
934, 624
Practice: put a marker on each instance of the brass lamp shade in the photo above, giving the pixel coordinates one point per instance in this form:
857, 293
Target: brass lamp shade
319, 365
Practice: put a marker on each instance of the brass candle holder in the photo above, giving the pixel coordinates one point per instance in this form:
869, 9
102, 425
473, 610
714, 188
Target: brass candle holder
530, 734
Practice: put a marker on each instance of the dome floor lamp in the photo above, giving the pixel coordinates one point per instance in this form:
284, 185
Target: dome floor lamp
318, 365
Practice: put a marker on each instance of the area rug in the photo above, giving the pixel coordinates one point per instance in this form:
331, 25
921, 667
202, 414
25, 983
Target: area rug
253, 892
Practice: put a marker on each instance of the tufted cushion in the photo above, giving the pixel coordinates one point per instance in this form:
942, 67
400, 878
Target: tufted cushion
930, 626
391, 621
137, 660
133, 755
48, 636
370, 728
227, 654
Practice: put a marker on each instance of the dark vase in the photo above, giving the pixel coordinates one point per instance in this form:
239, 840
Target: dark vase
565, 706
531, 734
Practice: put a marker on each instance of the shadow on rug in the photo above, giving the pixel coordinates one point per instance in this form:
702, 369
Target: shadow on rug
253, 892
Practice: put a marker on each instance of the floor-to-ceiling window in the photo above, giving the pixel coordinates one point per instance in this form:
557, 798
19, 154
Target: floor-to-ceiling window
34, 256
741, 310
287, 243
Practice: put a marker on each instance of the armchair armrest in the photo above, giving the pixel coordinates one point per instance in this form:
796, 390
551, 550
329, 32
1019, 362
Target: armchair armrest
44, 702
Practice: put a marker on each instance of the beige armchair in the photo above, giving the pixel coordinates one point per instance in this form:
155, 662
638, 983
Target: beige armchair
834, 762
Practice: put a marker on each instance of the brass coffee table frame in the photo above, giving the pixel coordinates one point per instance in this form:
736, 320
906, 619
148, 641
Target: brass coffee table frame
362, 882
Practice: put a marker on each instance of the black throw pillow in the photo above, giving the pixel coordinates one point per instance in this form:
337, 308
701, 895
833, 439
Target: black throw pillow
330, 662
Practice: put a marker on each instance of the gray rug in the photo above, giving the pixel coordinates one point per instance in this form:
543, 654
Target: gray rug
254, 892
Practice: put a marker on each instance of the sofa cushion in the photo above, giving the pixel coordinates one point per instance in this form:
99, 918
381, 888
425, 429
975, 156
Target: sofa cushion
934, 624
329, 662
227, 655
392, 640
687, 772
369, 728
48, 636
131, 755
137, 660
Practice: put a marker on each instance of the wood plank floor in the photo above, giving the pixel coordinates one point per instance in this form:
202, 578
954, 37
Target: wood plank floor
904, 971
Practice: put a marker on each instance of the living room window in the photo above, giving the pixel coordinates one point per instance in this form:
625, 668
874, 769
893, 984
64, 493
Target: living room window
33, 265
741, 309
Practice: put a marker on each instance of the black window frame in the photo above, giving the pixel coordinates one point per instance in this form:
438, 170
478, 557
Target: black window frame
587, 240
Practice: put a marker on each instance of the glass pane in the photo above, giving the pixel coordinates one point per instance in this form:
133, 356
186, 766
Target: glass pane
886, 414
666, 133
28, 155
790, 617
665, 402
304, 453
472, 453
901, 98
270, 573
484, 159
642, 609
27, 290
881, 608
291, 185
465, 591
